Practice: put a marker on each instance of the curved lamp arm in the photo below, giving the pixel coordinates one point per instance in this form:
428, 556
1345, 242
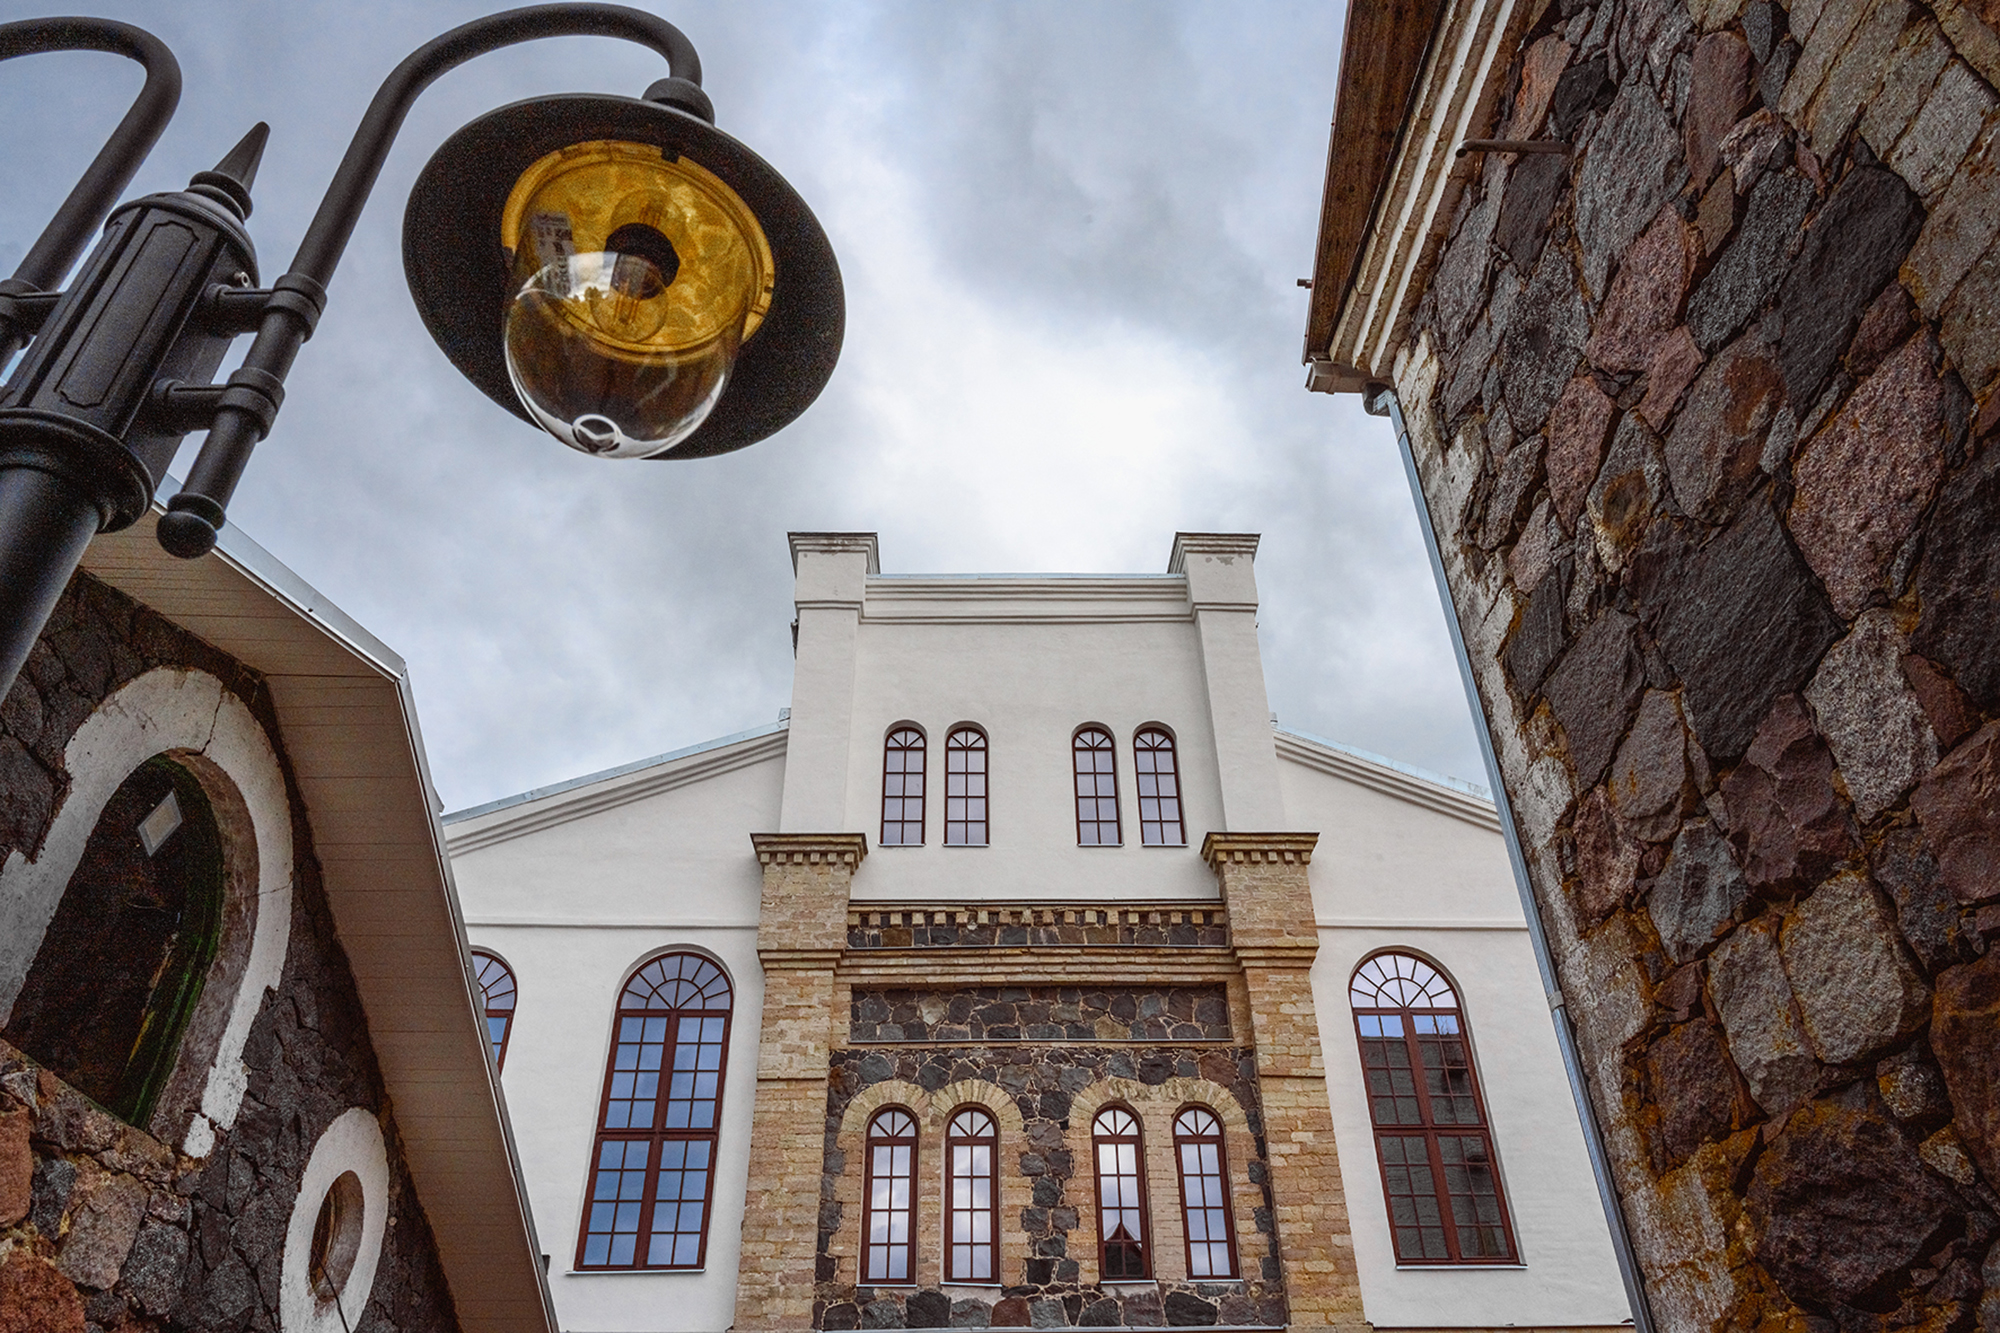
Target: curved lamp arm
91, 201
196, 514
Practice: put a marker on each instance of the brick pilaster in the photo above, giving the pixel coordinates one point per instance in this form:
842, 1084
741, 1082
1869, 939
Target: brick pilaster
800, 933
1263, 879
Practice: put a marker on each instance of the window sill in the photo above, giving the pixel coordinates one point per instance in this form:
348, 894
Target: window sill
1461, 1268
629, 1272
970, 1288
1132, 1286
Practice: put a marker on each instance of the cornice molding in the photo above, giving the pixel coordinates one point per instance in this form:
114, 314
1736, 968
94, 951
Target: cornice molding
615, 789
836, 543
1378, 777
1254, 848
1210, 543
810, 848
1153, 598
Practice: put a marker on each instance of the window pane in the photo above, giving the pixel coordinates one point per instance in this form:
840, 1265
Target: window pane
1204, 1195
1159, 790
1096, 789
965, 788
888, 1255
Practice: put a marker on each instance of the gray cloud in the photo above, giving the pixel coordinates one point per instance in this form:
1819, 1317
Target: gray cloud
1069, 234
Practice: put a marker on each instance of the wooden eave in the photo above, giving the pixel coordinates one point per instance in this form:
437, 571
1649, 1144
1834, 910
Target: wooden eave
349, 728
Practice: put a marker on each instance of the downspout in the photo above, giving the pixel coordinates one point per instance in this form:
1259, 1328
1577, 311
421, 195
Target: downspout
1380, 400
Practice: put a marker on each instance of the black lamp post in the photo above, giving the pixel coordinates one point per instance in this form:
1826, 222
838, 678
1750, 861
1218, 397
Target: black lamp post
613, 269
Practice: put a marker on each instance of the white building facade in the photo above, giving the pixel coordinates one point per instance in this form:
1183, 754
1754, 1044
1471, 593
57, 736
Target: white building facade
1028, 975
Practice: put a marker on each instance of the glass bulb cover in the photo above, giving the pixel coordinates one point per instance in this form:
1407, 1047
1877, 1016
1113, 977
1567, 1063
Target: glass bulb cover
636, 280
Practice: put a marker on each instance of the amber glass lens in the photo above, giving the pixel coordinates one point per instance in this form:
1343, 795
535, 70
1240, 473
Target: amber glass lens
636, 278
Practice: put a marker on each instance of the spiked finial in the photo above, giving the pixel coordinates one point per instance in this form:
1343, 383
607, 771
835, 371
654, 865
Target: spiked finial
233, 176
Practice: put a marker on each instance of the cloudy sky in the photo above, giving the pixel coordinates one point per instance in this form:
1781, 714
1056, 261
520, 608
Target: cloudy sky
1070, 234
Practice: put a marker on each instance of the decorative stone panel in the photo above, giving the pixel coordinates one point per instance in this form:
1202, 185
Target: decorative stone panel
1146, 926
1730, 611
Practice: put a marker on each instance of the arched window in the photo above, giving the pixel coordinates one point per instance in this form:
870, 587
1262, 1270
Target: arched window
496, 989
965, 788
889, 1207
903, 788
1211, 1239
1159, 789
1096, 788
971, 1147
1122, 1252
1438, 1167
654, 1161
123, 960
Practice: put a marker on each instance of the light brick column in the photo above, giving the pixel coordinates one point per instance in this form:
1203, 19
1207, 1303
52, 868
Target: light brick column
1263, 880
800, 935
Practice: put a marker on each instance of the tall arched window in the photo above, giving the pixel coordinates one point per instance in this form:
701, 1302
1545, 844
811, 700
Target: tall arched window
123, 960
971, 1146
1436, 1150
889, 1207
654, 1161
903, 788
1159, 789
965, 788
1096, 788
1211, 1239
1122, 1251
496, 989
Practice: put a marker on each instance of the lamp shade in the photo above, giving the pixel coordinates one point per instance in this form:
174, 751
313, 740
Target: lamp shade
624, 275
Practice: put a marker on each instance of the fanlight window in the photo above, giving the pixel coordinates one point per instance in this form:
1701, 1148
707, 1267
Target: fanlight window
1439, 1172
1159, 789
903, 788
889, 1252
965, 788
1096, 788
654, 1162
1122, 1251
496, 987
123, 960
1211, 1240
971, 1144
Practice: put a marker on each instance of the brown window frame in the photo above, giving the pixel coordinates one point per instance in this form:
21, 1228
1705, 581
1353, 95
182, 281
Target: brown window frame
908, 1245
483, 976
1189, 1138
954, 1140
890, 749
1143, 1242
1423, 996
1173, 774
953, 749
1109, 750
657, 1136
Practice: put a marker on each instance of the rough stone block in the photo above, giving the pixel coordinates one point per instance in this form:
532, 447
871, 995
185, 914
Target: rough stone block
1959, 807
1786, 821
1698, 892
1852, 250
1607, 864
1542, 342
1718, 86
1577, 428
1645, 297
1753, 144
1676, 361
1584, 87
1961, 227
1539, 638
35, 1298
1693, 1084
1514, 488
1715, 215
1919, 57
1950, 713
1632, 166
1532, 557
1956, 110
1595, 691
1854, 75
1744, 622
1650, 783
1884, 326
1760, 1017
17, 1167
1750, 269
1541, 68
1459, 285
1857, 990
1870, 717
1841, 1204
1628, 490
1535, 185
1713, 451
1958, 581
1965, 1018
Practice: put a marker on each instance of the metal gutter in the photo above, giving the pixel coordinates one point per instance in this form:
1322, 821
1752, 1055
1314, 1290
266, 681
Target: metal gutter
1380, 400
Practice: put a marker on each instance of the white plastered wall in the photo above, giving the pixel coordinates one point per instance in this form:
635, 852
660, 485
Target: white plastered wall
1391, 873
573, 908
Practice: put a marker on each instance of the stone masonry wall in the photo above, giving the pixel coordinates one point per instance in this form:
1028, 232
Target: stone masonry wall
102, 1227
1703, 411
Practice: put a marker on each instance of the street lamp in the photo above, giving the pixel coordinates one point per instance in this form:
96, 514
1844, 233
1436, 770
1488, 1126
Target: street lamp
613, 269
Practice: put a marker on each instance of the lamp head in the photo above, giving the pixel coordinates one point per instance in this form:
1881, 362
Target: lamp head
624, 275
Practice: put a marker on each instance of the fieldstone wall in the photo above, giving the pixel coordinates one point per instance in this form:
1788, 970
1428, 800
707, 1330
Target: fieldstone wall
1047, 1252
1041, 1013
102, 1227
1703, 411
